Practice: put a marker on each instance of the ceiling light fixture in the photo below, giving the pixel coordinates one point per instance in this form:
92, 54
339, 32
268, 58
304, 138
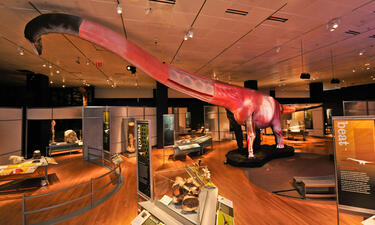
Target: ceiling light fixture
57, 71
189, 34
63, 86
118, 8
87, 62
44, 65
334, 80
362, 52
78, 61
50, 66
278, 49
333, 24
303, 76
21, 51
131, 68
51, 82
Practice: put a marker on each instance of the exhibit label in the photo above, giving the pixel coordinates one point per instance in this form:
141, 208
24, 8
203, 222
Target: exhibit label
144, 170
355, 163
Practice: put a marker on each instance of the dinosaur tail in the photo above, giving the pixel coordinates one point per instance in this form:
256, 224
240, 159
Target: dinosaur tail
287, 109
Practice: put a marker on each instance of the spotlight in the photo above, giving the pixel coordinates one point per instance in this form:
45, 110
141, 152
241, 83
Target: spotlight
131, 68
50, 66
190, 34
335, 81
119, 9
333, 24
362, 52
305, 76
63, 86
87, 62
44, 65
51, 82
186, 37
57, 71
21, 51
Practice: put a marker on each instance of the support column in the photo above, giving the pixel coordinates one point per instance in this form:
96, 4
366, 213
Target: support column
253, 84
161, 102
316, 92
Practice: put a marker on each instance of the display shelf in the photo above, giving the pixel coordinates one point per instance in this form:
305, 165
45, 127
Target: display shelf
60, 147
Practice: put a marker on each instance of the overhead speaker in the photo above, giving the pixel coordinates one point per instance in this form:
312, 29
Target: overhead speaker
335, 81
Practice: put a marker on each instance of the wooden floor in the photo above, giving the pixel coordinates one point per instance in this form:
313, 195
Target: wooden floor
252, 205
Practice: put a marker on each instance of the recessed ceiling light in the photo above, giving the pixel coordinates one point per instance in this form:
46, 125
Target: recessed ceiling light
57, 71
50, 66
353, 70
44, 65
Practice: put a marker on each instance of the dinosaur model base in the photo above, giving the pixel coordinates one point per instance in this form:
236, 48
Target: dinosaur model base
263, 155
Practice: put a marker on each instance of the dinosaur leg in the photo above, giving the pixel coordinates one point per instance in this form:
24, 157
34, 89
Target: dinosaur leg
250, 136
277, 132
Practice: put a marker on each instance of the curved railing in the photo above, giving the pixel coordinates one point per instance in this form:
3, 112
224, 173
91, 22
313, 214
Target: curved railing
81, 197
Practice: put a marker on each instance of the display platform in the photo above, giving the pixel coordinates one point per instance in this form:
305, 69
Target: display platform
262, 156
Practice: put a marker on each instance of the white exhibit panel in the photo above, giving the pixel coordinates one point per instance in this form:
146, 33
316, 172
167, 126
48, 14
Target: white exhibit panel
10, 133
117, 133
318, 123
92, 126
136, 112
67, 113
39, 114
224, 126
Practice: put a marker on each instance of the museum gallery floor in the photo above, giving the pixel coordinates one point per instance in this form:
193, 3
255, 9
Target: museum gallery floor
252, 205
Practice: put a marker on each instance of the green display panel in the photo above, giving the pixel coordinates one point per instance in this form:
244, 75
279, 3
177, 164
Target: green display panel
144, 170
106, 131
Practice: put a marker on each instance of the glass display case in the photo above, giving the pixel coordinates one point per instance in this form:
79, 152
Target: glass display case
168, 129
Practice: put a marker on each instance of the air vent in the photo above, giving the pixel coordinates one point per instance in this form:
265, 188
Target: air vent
352, 32
237, 12
171, 2
278, 19
372, 36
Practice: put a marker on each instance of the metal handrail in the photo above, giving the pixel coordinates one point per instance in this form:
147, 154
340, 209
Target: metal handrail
91, 193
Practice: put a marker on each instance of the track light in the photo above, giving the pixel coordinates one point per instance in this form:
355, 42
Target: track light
87, 62
57, 71
119, 9
63, 86
190, 34
333, 24
131, 68
362, 52
186, 37
50, 66
44, 65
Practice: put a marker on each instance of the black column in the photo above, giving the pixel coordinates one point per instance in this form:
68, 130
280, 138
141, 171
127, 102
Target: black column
253, 84
38, 131
273, 93
161, 102
316, 92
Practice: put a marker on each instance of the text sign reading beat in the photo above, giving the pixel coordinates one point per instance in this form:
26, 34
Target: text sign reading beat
355, 163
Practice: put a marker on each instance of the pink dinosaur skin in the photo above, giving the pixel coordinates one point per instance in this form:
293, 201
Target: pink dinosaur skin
255, 109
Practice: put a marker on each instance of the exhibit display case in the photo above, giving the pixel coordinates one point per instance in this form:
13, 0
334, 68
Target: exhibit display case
184, 196
191, 144
168, 129
217, 123
359, 108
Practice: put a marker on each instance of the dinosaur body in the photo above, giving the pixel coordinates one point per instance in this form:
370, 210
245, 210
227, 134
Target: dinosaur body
248, 106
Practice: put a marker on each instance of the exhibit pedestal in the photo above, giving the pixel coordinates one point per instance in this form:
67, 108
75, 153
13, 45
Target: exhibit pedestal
262, 156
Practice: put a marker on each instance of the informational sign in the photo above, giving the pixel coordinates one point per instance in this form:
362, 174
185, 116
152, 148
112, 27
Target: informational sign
168, 129
106, 131
145, 218
354, 141
144, 170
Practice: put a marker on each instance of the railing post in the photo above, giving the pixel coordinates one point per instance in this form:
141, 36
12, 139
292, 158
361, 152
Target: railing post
92, 193
23, 210
103, 157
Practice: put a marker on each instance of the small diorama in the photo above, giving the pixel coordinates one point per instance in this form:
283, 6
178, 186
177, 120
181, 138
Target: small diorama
64, 136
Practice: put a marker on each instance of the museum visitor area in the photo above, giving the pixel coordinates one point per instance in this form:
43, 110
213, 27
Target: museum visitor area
176, 112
